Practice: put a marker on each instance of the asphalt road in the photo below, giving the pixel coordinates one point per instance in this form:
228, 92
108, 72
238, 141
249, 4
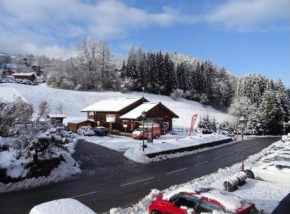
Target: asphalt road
119, 182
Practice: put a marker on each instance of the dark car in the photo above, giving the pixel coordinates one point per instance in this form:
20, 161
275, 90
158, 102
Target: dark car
101, 131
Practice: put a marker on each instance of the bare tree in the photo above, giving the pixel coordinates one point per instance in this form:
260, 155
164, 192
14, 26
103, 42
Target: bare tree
59, 107
11, 114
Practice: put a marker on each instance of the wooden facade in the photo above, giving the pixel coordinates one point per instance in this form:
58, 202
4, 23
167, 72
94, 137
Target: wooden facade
100, 116
24, 76
159, 114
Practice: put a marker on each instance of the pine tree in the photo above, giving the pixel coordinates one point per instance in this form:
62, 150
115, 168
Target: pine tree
169, 77
180, 77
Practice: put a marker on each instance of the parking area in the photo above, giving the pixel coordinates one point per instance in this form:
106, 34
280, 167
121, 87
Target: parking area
94, 158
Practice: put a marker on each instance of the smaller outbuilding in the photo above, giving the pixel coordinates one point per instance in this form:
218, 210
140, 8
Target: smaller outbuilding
75, 125
25, 76
56, 118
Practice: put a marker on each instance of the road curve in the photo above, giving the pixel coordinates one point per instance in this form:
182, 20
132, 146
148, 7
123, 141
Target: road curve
126, 184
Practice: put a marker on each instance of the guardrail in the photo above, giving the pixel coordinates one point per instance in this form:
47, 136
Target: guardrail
178, 130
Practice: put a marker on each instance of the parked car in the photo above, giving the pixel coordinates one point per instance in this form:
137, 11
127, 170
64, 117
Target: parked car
139, 134
250, 132
101, 131
63, 206
203, 200
275, 170
86, 131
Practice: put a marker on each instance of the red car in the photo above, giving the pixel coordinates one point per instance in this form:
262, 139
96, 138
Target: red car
204, 200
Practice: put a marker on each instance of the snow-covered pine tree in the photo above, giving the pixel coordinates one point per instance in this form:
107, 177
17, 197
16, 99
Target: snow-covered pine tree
169, 78
180, 77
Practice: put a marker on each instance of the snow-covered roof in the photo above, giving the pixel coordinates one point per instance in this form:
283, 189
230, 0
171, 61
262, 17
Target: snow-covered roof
80, 121
62, 206
23, 74
111, 105
136, 112
56, 116
9, 95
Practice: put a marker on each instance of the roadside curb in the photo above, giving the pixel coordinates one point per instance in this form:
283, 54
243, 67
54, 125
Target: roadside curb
190, 148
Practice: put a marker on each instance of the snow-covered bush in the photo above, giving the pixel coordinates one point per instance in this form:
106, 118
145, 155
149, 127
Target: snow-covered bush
176, 94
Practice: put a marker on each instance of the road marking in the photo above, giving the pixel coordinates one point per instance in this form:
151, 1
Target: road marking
201, 163
134, 182
90, 193
168, 173
218, 157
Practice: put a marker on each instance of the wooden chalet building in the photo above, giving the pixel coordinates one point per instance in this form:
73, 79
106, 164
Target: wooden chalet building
120, 111
25, 76
155, 113
111, 110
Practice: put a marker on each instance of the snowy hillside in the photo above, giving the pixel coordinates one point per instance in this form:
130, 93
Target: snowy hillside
72, 102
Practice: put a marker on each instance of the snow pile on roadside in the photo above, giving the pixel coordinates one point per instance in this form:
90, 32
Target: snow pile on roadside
63, 171
62, 206
14, 167
265, 195
132, 148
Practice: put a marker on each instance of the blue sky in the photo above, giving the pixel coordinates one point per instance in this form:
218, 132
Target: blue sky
245, 36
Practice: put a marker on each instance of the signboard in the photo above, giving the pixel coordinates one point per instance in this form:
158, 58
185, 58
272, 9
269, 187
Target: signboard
150, 132
110, 118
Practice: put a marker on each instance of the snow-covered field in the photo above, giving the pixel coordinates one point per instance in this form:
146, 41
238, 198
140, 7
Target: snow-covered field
72, 102
132, 148
265, 195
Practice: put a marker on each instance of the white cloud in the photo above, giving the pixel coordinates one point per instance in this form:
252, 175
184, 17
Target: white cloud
52, 27
53, 51
251, 15
48, 23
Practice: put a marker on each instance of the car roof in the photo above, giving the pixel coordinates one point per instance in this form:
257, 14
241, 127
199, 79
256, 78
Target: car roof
227, 200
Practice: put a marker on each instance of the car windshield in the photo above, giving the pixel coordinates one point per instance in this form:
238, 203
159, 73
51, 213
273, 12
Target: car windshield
186, 201
139, 129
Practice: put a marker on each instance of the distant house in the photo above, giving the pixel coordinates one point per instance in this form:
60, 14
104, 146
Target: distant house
120, 111
56, 118
24, 76
8, 72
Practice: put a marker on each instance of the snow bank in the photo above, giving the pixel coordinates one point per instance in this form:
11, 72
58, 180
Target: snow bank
266, 196
62, 206
14, 168
133, 148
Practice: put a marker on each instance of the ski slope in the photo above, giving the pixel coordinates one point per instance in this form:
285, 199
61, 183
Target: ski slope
73, 101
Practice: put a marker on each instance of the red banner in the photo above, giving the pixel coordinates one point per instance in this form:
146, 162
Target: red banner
193, 120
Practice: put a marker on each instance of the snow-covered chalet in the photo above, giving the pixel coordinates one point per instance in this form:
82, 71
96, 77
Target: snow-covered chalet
128, 111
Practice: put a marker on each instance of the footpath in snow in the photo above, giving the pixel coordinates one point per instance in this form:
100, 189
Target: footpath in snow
265, 195
133, 148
